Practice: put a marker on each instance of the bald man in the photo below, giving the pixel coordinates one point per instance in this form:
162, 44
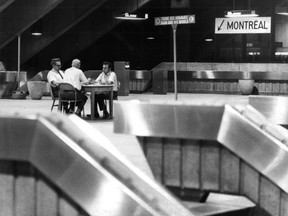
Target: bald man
75, 77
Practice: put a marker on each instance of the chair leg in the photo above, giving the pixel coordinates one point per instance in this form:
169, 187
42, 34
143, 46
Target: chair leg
52, 105
60, 106
105, 102
83, 112
74, 106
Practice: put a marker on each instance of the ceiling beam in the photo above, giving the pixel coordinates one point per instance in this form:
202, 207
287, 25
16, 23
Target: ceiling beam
89, 30
57, 23
54, 24
63, 20
5, 3
20, 15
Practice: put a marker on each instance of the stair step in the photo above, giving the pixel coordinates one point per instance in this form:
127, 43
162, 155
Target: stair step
221, 204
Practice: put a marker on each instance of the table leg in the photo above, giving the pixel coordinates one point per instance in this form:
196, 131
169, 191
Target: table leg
111, 104
92, 100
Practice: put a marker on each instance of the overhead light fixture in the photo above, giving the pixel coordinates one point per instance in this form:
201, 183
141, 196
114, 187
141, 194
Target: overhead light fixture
36, 29
241, 13
127, 65
150, 38
132, 16
281, 51
281, 11
36, 33
254, 53
208, 39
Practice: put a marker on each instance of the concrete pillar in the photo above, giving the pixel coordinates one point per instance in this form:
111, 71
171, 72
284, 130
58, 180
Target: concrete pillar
123, 75
160, 82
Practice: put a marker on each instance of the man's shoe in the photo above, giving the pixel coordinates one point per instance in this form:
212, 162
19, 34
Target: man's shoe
96, 116
106, 115
66, 110
78, 114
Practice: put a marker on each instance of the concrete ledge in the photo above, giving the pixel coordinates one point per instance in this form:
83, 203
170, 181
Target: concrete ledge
206, 77
192, 66
228, 75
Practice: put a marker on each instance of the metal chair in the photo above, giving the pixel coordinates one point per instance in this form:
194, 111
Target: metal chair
114, 98
67, 93
107, 96
54, 96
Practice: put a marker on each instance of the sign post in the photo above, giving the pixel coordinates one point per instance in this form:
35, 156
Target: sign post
174, 27
174, 21
18, 59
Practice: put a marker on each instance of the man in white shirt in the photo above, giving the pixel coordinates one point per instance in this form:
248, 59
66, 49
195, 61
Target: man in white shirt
76, 77
106, 77
56, 76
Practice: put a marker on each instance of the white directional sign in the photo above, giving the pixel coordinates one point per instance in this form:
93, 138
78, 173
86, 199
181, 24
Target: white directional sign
169, 20
174, 21
243, 25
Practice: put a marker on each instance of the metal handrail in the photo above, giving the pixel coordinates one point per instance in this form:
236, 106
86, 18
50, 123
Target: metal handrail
241, 129
84, 165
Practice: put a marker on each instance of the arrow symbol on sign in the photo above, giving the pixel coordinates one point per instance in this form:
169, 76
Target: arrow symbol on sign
220, 27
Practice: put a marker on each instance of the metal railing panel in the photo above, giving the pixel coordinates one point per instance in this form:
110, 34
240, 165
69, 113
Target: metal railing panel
168, 120
85, 165
243, 130
258, 142
16, 136
273, 108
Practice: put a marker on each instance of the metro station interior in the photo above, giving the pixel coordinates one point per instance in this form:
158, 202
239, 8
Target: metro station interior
205, 158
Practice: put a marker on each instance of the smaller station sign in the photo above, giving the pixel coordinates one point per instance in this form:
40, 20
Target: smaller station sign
243, 25
172, 20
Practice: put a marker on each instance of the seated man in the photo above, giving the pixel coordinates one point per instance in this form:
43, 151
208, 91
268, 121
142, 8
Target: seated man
76, 77
56, 76
106, 77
